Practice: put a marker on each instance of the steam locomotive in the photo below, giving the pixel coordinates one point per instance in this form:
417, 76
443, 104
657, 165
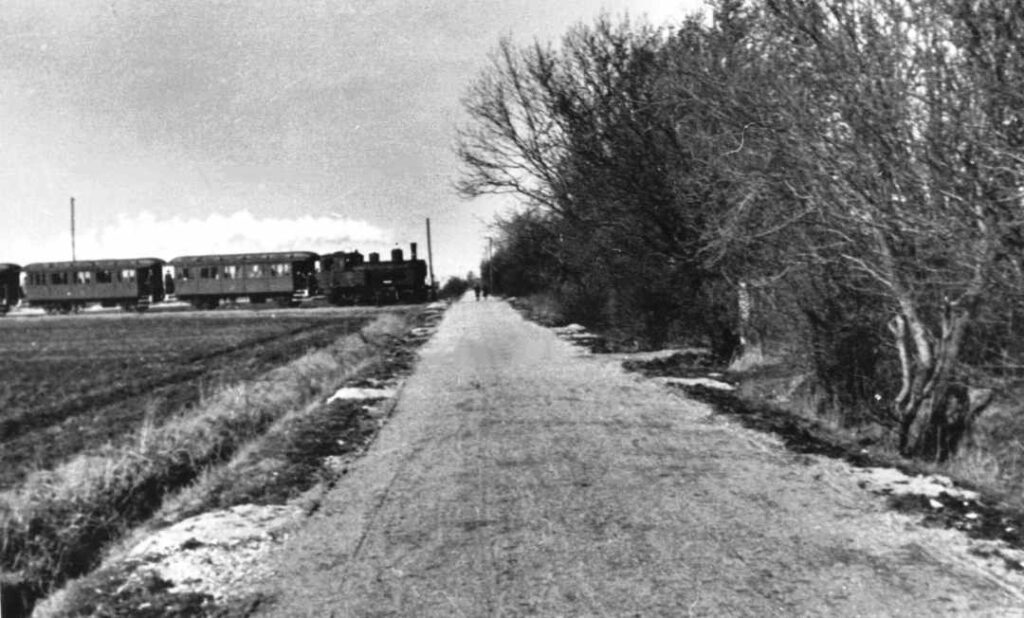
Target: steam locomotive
350, 280
205, 281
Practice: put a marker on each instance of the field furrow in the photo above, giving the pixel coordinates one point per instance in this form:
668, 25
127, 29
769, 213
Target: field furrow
70, 384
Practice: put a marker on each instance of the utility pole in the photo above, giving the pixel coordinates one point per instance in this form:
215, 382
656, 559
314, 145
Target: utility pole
430, 260
490, 264
73, 258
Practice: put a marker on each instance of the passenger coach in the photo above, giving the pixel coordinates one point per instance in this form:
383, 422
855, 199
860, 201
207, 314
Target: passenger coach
69, 286
205, 280
10, 289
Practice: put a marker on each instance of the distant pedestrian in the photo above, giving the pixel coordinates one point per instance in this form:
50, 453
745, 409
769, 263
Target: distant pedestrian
476, 290
487, 292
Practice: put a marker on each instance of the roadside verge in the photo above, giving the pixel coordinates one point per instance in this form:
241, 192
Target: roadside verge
259, 443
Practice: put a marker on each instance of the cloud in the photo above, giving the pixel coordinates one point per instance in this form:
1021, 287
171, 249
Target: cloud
145, 235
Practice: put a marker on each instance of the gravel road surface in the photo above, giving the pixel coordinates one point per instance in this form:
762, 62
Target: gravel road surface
521, 476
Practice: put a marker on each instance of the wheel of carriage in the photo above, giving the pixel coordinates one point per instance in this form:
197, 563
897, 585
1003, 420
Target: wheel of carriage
341, 299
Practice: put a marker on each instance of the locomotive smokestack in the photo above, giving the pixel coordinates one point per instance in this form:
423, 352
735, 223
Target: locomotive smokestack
412, 251
396, 255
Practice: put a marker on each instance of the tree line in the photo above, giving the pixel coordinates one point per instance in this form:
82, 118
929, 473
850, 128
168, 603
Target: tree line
838, 181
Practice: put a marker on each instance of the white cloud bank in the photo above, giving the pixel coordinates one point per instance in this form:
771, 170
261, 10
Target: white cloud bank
145, 235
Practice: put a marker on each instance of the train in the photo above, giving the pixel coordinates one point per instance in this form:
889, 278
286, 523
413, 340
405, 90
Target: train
206, 281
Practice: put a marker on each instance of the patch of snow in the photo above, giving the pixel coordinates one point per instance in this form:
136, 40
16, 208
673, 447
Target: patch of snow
350, 392
216, 553
708, 382
571, 329
229, 527
894, 482
658, 354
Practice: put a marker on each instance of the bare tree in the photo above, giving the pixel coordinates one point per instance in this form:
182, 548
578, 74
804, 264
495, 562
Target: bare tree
914, 178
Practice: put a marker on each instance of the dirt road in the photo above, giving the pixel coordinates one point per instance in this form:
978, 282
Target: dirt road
521, 476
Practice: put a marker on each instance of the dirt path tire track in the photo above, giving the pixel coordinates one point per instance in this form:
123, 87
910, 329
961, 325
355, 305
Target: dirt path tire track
521, 477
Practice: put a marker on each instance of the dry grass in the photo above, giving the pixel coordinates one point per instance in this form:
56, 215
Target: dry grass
256, 468
993, 456
53, 525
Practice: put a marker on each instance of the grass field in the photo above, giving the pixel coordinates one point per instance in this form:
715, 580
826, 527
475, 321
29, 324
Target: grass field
71, 383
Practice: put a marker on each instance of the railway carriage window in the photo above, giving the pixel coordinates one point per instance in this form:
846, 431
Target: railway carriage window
183, 274
284, 269
83, 277
104, 276
128, 275
230, 271
256, 270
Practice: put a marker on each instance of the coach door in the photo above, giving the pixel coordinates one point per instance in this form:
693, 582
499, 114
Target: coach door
151, 283
304, 277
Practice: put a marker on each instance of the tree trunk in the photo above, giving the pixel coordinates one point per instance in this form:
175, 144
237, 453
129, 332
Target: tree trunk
751, 350
934, 410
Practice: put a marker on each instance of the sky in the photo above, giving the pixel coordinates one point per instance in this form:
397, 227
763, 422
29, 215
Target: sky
226, 126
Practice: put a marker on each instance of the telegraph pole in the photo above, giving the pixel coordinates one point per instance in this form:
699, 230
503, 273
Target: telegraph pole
490, 263
430, 260
73, 258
